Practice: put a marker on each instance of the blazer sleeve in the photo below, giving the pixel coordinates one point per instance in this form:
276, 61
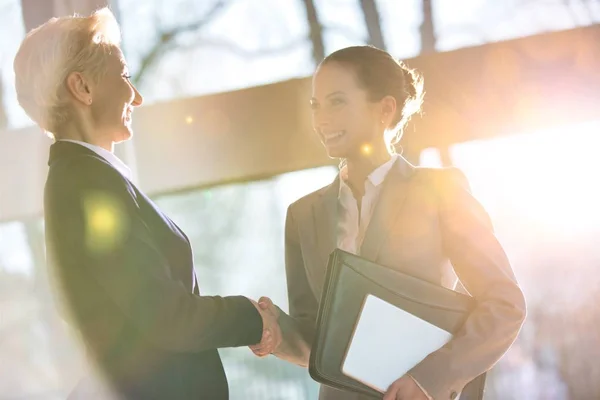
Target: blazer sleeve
483, 268
298, 327
98, 227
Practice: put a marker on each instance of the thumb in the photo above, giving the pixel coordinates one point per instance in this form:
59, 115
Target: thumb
265, 302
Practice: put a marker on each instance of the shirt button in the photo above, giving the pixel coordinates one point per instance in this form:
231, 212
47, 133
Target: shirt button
453, 395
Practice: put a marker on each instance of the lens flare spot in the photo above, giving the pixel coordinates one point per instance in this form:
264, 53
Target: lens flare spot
366, 149
106, 222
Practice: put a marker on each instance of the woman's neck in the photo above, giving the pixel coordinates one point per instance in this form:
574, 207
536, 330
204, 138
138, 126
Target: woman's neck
84, 133
361, 166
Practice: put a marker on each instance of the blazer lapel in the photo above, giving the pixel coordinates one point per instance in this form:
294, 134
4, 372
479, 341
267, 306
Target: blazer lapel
325, 220
387, 208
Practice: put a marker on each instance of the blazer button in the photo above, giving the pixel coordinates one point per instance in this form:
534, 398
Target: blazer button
453, 395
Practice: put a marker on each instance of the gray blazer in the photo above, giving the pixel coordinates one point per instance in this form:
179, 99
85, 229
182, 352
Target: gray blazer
425, 223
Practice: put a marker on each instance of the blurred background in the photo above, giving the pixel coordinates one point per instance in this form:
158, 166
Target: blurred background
223, 144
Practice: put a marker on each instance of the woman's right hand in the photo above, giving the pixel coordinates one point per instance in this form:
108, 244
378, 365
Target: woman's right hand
272, 336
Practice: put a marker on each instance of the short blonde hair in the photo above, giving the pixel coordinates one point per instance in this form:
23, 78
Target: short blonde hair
52, 51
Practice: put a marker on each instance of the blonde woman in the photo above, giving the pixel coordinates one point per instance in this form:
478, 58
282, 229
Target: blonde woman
123, 269
420, 221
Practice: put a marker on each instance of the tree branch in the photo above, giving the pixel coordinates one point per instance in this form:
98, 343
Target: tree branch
373, 23
232, 47
167, 38
345, 31
315, 31
427, 30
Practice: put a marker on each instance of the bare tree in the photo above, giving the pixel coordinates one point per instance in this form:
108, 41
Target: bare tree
315, 31
373, 23
428, 39
167, 39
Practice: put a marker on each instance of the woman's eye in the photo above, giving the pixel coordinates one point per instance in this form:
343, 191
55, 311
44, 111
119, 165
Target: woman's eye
337, 102
127, 76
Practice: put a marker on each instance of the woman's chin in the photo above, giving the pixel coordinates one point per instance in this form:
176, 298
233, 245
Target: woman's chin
124, 135
334, 153
338, 152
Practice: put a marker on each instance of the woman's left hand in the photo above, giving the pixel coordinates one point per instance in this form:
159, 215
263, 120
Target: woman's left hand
405, 388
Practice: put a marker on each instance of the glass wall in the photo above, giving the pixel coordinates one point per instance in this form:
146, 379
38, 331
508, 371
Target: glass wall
539, 188
237, 236
188, 48
544, 198
12, 31
541, 191
183, 48
475, 22
38, 358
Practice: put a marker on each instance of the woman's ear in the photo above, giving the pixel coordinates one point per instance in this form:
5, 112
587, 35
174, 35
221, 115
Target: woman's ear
79, 88
388, 109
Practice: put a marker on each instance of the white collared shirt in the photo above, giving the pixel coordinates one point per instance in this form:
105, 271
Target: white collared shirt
351, 231
107, 155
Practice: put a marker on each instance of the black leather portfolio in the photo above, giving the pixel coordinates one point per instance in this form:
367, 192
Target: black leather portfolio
349, 280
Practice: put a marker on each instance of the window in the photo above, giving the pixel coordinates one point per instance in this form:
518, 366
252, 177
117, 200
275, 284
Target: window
237, 236
188, 48
474, 22
39, 360
12, 31
542, 194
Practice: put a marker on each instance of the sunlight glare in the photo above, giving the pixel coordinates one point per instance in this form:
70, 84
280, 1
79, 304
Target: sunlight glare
547, 179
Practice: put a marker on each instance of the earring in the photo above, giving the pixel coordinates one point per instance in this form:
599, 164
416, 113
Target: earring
90, 101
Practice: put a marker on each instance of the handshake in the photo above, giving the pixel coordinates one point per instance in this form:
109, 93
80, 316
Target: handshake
272, 336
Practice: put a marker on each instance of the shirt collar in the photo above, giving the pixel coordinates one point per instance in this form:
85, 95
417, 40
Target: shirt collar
113, 160
376, 177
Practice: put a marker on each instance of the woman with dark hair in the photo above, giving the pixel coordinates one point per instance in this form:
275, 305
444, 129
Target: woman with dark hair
420, 221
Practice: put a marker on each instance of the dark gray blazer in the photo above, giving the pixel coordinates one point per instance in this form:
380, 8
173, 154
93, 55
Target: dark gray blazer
125, 273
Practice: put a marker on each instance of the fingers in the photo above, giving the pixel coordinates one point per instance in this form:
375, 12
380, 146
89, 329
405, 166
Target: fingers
260, 353
269, 343
265, 302
265, 338
272, 336
266, 345
392, 392
266, 341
